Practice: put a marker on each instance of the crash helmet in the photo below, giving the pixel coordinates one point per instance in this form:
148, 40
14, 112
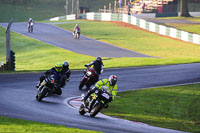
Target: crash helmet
112, 80
65, 65
58, 67
98, 59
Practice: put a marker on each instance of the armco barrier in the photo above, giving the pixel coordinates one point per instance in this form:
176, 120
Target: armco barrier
160, 29
67, 17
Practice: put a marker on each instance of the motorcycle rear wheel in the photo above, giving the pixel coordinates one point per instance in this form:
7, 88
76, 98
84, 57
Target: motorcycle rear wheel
96, 110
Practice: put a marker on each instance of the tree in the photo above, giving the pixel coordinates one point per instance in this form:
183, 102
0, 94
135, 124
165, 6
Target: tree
184, 8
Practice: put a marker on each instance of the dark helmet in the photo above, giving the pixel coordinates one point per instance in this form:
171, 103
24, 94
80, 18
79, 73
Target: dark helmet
58, 67
112, 80
98, 59
65, 65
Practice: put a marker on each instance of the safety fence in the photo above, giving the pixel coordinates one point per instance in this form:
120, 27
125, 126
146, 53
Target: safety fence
4, 67
150, 26
67, 17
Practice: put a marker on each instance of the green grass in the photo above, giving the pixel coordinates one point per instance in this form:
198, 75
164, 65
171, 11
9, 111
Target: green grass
185, 27
34, 55
138, 40
43, 9
12, 125
195, 19
169, 107
37, 9
169, 50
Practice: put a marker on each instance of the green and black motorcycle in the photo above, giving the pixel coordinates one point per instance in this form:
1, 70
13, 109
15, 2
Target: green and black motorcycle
47, 87
95, 102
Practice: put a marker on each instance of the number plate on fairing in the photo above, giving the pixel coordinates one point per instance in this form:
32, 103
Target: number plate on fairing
106, 95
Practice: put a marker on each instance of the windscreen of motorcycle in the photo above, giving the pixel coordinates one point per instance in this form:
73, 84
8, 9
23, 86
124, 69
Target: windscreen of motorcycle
89, 73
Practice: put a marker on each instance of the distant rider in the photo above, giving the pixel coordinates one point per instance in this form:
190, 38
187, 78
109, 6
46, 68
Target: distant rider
30, 20
97, 65
61, 75
109, 84
77, 28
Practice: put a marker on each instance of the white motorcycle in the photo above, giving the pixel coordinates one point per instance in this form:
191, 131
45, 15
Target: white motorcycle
76, 34
30, 27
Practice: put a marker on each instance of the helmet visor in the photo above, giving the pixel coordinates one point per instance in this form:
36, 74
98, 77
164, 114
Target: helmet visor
58, 69
113, 82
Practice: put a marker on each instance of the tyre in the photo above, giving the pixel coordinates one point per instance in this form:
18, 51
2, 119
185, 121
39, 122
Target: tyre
31, 29
78, 36
58, 91
81, 110
42, 94
96, 110
82, 84
75, 35
89, 83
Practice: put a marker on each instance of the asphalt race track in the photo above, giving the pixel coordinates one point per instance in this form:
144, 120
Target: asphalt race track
17, 91
59, 37
17, 94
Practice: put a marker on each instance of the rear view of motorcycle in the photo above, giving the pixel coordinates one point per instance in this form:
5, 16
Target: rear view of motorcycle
95, 102
76, 34
47, 87
30, 27
89, 78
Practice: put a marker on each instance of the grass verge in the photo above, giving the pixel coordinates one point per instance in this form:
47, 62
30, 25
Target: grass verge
43, 9
12, 125
133, 38
186, 27
169, 107
189, 27
34, 55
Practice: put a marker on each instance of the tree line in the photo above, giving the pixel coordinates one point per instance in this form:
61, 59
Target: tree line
184, 12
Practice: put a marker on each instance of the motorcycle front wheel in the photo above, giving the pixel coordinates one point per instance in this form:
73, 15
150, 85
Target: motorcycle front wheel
82, 83
41, 94
31, 29
81, 110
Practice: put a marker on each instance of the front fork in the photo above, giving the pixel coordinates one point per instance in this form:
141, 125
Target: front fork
41, 85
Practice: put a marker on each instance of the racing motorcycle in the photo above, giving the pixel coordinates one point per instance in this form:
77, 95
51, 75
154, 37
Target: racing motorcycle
47, 87
95, 102
76, 35
30, 27
89, 78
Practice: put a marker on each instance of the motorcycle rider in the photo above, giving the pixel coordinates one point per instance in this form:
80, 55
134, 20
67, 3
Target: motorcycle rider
77, 28
59, 73
98, 67
30, 20
109, 84
66, 73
